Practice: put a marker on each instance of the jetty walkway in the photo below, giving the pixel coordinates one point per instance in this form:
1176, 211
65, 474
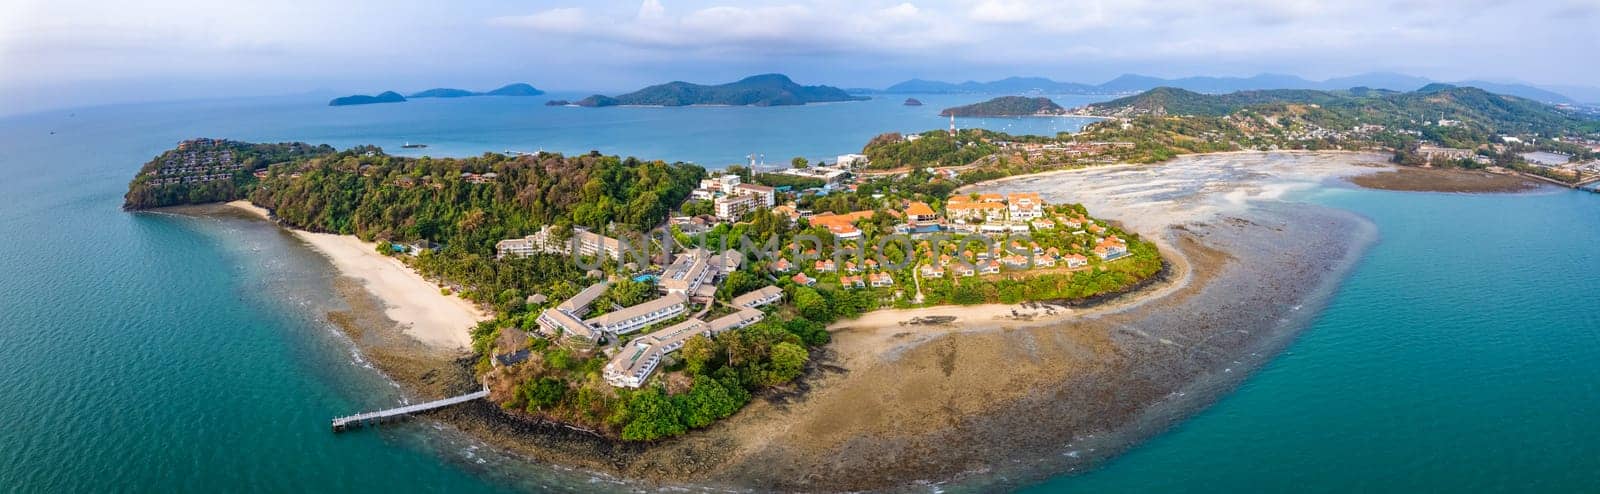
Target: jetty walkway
357, 421
1589, 185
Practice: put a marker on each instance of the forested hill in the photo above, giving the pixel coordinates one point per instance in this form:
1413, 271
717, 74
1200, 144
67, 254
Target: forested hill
937, 148
467, 203
1175, 101
208, 170
760, 90
471, 203
1476, 110
1007, 106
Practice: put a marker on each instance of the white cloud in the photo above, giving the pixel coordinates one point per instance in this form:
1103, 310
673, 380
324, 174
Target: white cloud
44, 42
652, 10
1002, 12
901, 11
1304, 36
787, 28
565, 20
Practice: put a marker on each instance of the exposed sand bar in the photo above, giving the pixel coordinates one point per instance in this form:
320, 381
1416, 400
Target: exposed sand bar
437, 320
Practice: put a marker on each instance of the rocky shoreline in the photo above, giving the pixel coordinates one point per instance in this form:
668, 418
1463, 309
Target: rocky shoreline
1414, 179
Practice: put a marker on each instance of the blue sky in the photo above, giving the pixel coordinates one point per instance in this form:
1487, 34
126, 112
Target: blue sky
64, 52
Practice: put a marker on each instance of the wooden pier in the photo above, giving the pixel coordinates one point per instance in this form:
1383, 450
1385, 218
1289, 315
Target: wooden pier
357, 421
1589, 185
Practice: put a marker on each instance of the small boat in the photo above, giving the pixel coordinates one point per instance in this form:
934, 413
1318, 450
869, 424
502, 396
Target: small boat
409, 145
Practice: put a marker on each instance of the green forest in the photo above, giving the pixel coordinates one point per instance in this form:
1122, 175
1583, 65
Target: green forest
1006, 106
1482, 114
247, 158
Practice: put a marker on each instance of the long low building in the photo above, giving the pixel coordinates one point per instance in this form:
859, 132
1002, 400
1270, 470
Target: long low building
736, 320
567, 318
580, 304
759, 297
638, 317
632, 366
556, 322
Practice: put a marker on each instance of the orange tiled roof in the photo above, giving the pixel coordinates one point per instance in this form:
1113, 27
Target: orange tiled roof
829, 219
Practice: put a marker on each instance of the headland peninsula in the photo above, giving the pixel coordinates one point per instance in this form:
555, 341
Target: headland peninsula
934, 362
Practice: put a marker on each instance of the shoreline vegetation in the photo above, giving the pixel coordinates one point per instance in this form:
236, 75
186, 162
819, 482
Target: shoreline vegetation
1418, 179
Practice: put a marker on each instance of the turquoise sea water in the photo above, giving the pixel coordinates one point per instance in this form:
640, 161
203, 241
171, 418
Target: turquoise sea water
1462, 355
149, 352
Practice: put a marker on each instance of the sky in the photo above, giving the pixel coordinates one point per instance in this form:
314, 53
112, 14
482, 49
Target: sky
57, 53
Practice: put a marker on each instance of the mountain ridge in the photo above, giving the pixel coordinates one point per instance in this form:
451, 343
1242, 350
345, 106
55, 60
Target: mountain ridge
1429, 109
513, 89
1132, 83
756, 90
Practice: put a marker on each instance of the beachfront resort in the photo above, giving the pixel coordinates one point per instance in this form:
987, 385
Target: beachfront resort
908, 253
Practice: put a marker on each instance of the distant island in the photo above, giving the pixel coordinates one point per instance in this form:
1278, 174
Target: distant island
443, 92
517, 89
1007, 106
557, 102
913, 102
362, 99
1014, 85
759, 90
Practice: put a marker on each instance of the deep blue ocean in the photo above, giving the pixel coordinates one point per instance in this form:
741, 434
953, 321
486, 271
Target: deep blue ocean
155, 352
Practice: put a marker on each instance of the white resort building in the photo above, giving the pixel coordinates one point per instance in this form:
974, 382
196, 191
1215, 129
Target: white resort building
587, 243
632, 365
566, 319
688, 272
630, 319
758, 297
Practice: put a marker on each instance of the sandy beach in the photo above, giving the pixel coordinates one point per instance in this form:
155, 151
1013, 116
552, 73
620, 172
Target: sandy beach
437, 320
